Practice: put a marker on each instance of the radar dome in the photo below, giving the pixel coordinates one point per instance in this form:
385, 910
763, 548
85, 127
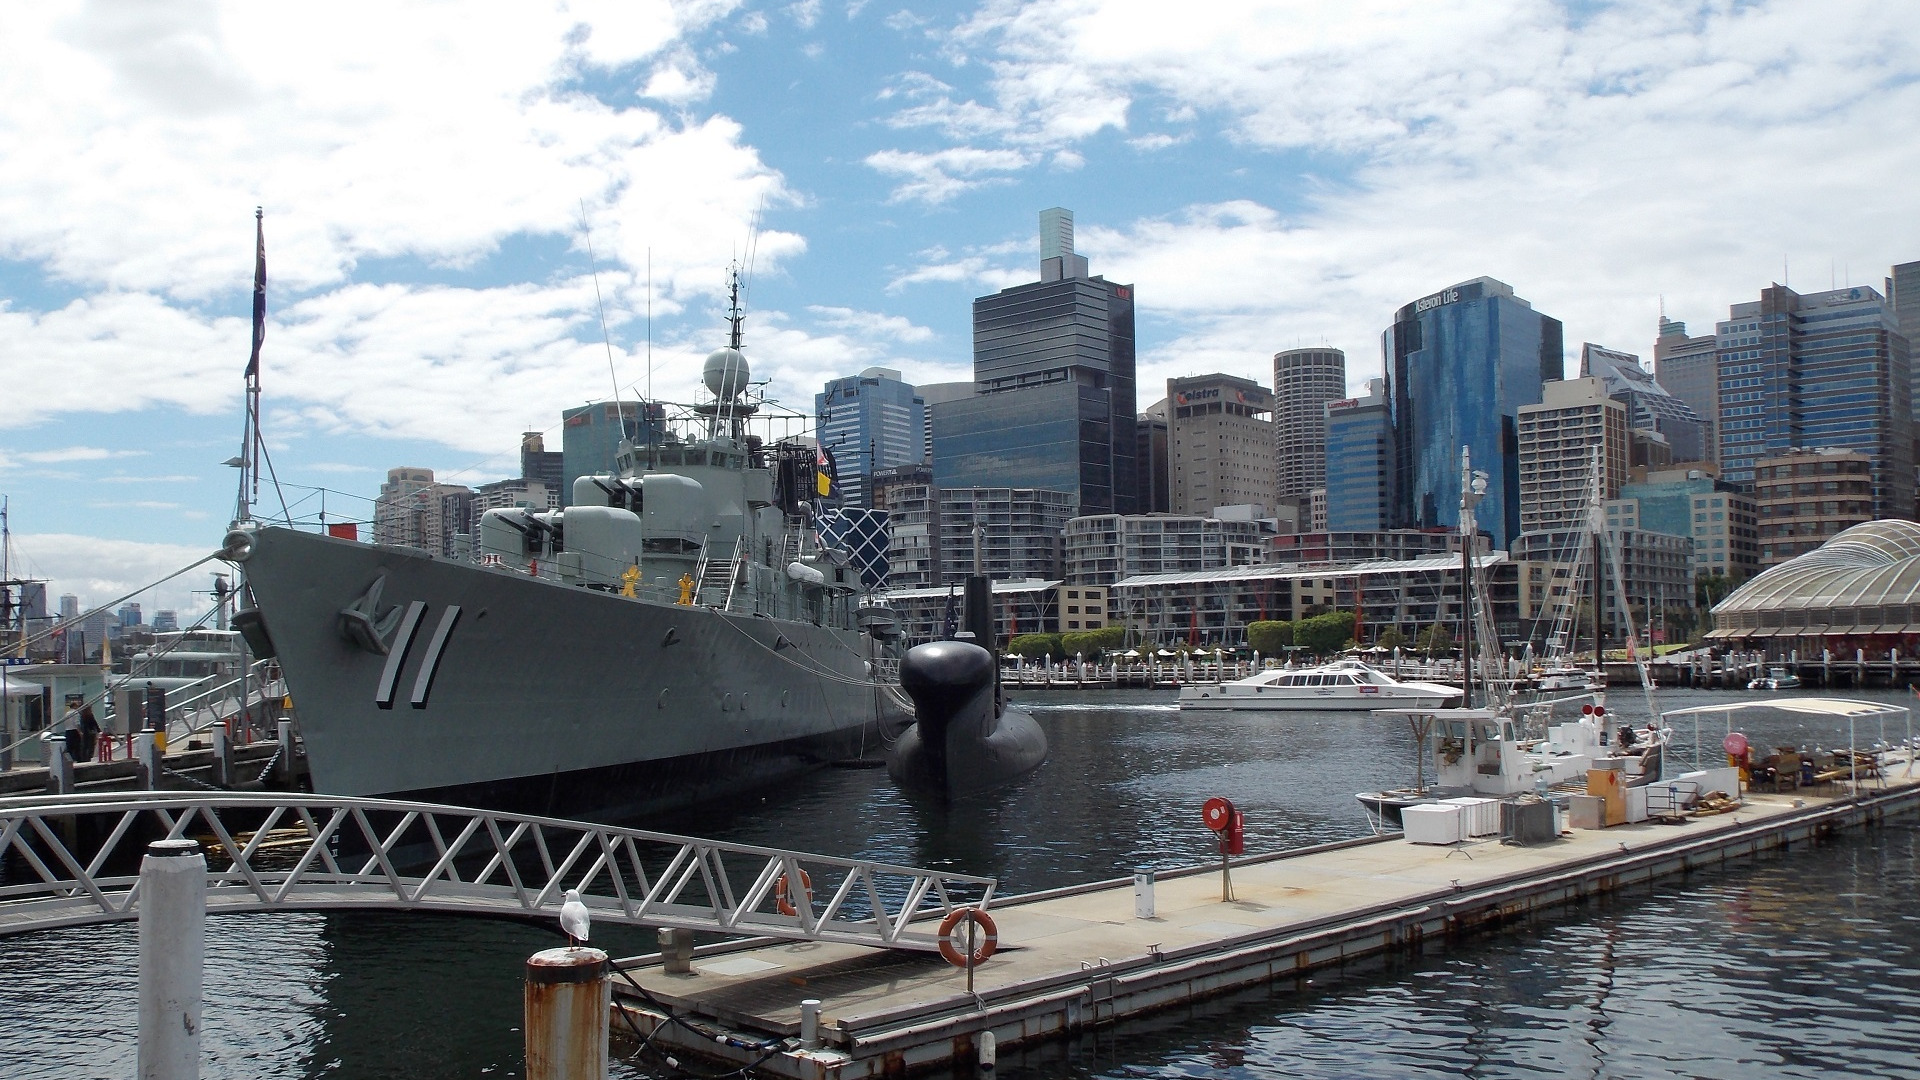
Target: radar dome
725, 373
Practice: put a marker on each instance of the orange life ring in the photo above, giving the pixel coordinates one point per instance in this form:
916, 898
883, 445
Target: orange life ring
985, 944
783, 900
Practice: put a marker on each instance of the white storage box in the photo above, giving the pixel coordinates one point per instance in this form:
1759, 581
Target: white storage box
1636, 804
1437, 823
1478, 817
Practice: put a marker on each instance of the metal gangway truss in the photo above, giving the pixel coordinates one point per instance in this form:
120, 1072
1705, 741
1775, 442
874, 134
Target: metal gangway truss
272, 852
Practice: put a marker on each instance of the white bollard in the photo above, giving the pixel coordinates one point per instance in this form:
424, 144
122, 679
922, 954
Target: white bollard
569, 1005
59, 768
1143, 894
173, 922
223, 774
810, 1024
146, 750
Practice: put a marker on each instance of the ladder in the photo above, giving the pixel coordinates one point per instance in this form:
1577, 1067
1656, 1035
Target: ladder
718, 576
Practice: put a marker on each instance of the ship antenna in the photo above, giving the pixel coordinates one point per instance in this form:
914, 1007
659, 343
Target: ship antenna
619, 413
734, 315
649, 324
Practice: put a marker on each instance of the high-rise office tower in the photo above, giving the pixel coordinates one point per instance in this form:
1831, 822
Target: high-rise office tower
937, 395
1825, 370
1304, 380
1150, 460
1689, 369
1903, 295
1219, 443
1558, 438
539, 463
1360, 462
1053, 364
1459, 365
1649, 406
409, 511
870, 421
590, 438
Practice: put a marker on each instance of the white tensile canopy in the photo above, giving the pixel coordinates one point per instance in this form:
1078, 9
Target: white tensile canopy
1852, 710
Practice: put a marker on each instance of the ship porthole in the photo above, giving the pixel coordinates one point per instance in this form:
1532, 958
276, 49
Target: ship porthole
783, 698
726, 703
662, 703
743, 703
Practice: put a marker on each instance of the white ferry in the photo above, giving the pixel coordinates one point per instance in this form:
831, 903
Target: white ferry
1342, 685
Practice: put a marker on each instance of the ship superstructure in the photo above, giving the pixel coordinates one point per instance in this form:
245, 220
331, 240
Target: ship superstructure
678, 632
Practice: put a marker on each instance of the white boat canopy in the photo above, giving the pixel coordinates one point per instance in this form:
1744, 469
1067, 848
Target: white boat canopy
1848, 708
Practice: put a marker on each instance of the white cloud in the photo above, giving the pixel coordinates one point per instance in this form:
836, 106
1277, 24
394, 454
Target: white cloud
872, 323
1594, 160
805, 13
680, 80
64, 454
934, 178
98, 570
133, 137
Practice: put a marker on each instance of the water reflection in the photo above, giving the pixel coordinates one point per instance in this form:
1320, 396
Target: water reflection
1806, 963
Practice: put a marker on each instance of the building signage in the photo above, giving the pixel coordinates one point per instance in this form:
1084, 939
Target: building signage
1344, 403
1428, 303
1187, 397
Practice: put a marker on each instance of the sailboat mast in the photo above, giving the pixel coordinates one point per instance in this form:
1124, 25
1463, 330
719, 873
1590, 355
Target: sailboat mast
1466, 579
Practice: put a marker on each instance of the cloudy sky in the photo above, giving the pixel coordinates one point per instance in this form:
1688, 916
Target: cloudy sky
434, 175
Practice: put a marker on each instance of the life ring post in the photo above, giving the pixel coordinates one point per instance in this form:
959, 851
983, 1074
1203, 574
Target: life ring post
982, 938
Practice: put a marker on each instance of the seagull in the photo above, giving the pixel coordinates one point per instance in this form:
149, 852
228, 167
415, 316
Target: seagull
574, 918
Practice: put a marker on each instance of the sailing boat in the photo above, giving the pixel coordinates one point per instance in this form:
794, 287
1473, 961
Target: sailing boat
1499, 750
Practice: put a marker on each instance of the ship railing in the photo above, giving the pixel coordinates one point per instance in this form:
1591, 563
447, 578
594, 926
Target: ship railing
317, 852
733, 572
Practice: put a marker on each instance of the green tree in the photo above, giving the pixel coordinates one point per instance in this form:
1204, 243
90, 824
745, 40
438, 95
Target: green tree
1323, 635
1091, 644
1270, 638
1035, 646
1434, 640
1391, 638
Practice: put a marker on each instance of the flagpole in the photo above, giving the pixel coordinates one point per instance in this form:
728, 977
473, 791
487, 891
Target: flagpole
251, 439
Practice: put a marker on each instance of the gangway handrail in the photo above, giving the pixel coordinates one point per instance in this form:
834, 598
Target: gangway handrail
320, 852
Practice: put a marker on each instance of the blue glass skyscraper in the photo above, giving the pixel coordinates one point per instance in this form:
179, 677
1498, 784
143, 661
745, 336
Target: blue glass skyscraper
1360, 462
1459, 365
870, 421
1827, 370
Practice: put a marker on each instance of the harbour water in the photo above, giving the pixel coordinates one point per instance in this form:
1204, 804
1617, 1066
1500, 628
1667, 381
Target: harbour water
1805, 963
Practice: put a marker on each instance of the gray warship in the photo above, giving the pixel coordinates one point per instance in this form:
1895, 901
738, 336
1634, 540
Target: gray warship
679, 633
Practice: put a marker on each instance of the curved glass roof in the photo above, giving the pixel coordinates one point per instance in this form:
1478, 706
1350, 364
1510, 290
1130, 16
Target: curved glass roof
1866, 566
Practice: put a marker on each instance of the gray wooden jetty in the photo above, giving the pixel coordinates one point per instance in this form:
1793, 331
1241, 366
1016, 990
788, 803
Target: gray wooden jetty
1077, 958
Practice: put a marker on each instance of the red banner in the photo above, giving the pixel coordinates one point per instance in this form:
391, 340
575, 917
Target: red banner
345, 530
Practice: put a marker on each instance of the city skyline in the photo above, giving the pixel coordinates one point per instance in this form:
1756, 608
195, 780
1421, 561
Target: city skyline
1294, 173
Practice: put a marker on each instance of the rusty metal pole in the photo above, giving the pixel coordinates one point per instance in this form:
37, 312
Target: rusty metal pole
569, 1003
173, 922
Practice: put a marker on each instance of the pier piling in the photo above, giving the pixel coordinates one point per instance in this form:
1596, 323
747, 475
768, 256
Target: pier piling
173, 919
569, 1003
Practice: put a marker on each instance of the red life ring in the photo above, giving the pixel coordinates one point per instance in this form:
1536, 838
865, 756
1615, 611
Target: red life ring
783, 899
984, 945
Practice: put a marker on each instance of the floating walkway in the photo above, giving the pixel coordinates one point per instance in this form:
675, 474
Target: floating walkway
1076, 958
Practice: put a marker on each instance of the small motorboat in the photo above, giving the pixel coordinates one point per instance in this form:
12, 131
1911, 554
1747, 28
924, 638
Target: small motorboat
1776, 678
1341, 685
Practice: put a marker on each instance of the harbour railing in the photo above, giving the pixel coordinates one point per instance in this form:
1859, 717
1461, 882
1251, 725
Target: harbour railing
318, 852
